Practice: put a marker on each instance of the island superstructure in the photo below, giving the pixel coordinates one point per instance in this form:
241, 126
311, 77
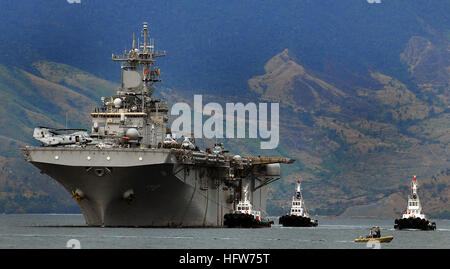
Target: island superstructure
131, 170
413, 218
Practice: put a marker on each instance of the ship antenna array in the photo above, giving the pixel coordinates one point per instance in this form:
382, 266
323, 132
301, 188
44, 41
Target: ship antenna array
142, 56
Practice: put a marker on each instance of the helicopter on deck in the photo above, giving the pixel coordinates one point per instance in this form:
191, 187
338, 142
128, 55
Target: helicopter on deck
53, 137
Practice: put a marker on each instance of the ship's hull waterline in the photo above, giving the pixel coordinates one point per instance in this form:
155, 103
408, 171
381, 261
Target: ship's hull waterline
414, 224
156, 193
297, 221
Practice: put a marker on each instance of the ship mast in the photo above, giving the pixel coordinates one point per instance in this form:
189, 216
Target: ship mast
299, 194
414, 186
246, 198
138, 76
414, 208
298, 206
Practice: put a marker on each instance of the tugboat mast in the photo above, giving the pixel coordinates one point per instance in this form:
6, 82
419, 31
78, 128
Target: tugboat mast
299, 194
414, 209
414, 186
298, 207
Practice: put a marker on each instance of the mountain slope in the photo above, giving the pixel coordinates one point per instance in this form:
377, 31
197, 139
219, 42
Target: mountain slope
32, 100
287, 82
350, 159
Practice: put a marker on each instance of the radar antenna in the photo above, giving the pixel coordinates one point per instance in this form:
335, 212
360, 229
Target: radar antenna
138, 76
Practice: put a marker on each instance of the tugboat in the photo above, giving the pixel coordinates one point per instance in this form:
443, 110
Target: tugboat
244, 216
413, 217
374, 235
298, 217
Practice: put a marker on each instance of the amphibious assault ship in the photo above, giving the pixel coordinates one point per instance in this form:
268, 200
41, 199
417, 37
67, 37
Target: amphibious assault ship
131, 171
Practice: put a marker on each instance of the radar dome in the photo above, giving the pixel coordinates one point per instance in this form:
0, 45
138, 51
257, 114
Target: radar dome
132, 133
117, 102
237, 158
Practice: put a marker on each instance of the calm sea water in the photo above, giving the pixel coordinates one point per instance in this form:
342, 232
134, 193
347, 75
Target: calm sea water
49, 231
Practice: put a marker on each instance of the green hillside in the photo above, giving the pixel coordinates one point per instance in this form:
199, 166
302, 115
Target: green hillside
54, 93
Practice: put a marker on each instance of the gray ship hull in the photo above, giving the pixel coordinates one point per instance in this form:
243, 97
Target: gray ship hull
157, 193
